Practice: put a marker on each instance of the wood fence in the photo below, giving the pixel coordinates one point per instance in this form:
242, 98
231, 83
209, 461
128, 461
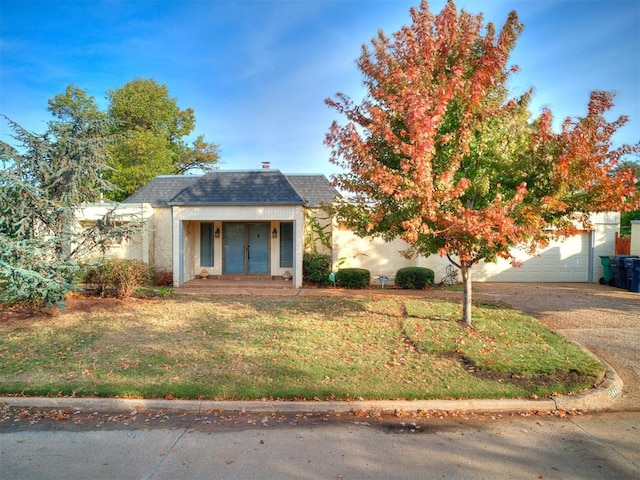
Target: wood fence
623, 245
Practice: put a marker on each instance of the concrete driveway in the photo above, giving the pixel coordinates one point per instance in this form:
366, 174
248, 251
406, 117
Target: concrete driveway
605, 320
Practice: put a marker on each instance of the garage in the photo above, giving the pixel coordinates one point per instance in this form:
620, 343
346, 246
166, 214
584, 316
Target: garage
561, 261
574, 259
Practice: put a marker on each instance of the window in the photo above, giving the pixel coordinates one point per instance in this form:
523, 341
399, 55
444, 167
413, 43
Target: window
206, 244
286, 245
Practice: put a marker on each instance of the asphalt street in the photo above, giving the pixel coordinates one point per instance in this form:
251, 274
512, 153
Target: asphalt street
240, 445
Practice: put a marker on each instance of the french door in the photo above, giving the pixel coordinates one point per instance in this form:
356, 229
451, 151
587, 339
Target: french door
245, 248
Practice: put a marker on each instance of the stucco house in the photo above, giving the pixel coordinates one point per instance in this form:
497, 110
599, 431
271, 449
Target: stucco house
572, 259
253, 223
239, 223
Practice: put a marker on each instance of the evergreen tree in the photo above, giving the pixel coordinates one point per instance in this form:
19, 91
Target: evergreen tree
44, 180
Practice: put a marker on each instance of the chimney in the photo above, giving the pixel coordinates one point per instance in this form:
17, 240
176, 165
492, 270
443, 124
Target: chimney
265, 165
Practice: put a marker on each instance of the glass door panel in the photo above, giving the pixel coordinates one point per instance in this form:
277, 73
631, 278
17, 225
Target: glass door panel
245, 248
258, 248
233, 238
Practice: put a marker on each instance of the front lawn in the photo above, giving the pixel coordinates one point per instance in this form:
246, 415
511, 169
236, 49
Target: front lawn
309, 348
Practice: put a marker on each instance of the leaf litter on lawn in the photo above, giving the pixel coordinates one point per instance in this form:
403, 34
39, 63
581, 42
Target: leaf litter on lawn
239, 347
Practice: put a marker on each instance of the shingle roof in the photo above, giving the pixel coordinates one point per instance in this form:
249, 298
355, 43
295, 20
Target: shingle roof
315, 189
240, 188
261, 187
161, 189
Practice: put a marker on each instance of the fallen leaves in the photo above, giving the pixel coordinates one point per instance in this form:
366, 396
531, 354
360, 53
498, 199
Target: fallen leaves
400, 421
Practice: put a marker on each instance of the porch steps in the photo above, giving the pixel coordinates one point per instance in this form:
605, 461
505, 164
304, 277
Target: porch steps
234, 285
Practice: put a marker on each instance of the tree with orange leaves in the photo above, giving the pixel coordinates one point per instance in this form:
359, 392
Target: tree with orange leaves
439, 154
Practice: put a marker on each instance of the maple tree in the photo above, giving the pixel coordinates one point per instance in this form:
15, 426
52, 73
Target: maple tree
439, 154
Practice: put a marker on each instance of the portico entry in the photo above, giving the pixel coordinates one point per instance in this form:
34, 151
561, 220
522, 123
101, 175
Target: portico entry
245, 248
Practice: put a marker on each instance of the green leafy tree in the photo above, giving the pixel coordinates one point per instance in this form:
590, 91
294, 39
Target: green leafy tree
150, 128
76, 109
44, 181
439, 154
627, 217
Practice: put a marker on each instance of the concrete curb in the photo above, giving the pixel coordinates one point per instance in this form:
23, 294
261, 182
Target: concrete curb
199, 406
601, 397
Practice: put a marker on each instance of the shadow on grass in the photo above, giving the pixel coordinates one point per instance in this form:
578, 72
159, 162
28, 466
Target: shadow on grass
255, 347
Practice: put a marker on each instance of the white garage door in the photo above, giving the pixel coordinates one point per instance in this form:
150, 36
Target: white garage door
566, 261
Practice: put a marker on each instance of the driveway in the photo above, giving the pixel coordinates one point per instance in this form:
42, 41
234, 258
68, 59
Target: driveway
605, 320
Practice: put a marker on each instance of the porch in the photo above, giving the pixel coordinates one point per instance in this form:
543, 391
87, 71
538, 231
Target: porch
237, 244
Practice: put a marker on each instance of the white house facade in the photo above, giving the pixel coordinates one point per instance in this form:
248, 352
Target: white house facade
252, 224
571, 259
230, 223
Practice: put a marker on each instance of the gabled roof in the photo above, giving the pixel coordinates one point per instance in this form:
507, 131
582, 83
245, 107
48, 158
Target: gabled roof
262, 187
315, 189
259, 187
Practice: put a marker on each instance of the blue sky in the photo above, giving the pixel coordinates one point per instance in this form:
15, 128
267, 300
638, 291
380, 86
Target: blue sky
257, 72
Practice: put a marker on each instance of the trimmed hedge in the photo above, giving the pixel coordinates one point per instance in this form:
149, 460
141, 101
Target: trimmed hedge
353, 278
414, 278
316, 268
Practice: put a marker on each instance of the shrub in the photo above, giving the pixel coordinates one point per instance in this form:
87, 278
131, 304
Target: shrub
316, 268
164, 278
97, 276
128, 275
118, 277
353, 278
414, 278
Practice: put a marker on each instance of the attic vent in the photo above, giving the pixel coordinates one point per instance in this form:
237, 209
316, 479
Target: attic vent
265, 165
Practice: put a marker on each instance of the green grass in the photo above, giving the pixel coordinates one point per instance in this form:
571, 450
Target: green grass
287, 348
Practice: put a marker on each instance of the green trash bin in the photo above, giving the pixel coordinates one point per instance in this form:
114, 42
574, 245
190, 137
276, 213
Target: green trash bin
614, 259
608, 273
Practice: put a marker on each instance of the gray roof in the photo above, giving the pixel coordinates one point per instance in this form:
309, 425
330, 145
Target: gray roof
260, 187
315, 189
161, 189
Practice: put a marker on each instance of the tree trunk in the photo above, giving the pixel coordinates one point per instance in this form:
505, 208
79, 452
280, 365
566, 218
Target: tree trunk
465, 270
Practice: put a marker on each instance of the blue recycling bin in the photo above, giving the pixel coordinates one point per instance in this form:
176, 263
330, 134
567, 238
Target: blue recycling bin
634, 276
628, 272
621, 267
